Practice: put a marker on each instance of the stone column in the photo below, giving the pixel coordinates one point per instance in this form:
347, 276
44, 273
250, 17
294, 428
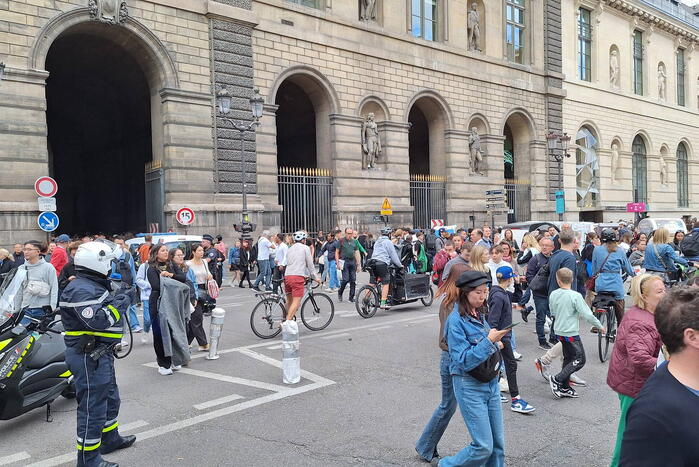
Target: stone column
267, 168
458, 191
542, 207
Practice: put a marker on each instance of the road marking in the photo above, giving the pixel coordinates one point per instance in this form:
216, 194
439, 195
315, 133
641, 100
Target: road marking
227, 379
274, 347
277, 363
20, 456
219, 401
380, 328
419, 321
133, 425
336, 336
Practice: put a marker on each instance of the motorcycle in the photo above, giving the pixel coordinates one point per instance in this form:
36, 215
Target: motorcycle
33, 372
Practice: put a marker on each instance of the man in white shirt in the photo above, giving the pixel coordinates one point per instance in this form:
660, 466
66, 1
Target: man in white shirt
264, 248
281, 242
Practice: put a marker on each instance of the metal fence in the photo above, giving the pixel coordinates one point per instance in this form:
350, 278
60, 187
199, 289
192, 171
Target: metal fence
519, 195
306, 198
428, 196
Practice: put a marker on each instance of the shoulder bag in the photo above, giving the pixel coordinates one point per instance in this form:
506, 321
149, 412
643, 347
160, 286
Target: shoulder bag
211, 286
540, 282
590, 283
671, 275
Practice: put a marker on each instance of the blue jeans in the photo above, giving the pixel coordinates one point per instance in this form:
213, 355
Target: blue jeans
482, 411
37, 313
542, 310
525, 297
133, 317
265, 274
146, 316
426, 446
332, 272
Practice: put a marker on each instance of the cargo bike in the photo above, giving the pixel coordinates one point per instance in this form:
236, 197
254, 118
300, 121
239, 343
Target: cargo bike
403, 288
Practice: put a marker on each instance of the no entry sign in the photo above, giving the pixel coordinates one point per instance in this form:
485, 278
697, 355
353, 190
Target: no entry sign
46, 187
185, 216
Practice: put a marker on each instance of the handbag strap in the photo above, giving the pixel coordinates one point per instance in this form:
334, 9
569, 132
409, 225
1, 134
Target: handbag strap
655, 249
603, 263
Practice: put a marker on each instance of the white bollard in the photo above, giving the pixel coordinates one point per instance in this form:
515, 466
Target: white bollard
291, 360
217, 317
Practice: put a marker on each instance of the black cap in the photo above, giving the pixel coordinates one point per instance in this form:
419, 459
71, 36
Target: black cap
207, 237
472, 279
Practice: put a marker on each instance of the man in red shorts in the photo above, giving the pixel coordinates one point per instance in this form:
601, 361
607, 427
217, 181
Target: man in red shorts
299, 266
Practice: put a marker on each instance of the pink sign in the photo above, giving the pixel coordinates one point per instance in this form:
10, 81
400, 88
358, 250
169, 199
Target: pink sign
636, 207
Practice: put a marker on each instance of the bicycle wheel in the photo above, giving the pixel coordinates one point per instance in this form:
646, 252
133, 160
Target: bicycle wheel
266, 317
427, 301
317, 311
603, 337
366, 302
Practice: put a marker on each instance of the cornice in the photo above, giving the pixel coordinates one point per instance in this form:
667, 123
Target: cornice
652, 19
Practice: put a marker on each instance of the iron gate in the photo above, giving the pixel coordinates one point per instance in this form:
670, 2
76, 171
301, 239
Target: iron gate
155, 197
428, 197
519, 194
305, 195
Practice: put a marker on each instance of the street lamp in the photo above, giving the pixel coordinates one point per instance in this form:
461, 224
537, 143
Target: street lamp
224, 101
558, 145
2, 71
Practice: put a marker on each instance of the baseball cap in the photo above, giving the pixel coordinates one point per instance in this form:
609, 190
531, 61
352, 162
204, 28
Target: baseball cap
504, 273
472, 279
63, 238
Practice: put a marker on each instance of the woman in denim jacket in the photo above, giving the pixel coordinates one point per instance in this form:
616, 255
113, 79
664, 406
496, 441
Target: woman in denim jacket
471, 342
660, 257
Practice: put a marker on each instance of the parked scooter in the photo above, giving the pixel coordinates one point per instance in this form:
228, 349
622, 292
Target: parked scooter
33, 372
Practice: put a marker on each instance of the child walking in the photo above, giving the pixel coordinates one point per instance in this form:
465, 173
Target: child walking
499, 317
567, 307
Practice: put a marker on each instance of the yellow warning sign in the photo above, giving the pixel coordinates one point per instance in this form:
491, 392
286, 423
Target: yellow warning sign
386, 208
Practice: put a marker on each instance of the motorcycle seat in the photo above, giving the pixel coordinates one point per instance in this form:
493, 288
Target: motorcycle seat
50, 349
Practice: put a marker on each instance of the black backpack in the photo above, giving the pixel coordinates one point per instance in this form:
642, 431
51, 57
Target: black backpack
124, 269
690, 244
540, 283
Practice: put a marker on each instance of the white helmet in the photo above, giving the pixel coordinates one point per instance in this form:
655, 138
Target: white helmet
97, 256
300, 236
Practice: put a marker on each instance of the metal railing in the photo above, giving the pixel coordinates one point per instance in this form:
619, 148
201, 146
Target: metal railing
519, 195
305, 195
683, 13
428, 196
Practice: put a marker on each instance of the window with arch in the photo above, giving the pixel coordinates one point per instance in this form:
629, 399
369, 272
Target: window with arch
423, 16
515, 28
584, 45
682, 177
586, 169
639, 170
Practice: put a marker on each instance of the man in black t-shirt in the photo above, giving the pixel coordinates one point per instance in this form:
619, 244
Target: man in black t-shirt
661, 425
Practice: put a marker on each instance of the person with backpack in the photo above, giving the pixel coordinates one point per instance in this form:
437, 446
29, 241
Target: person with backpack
689, 246
123, 270
443, 256
346, 251
541, 302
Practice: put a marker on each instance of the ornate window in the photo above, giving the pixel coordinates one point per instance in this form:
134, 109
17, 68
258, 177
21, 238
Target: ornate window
584, 45
515, 30
586, 169
638, 62
680, 77
424, 19
682, 177
639, 171
309, 3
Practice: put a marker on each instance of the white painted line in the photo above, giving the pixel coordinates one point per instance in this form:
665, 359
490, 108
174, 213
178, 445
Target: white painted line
219, 401
274, 362
274, 347
380, 328
133, 425
227, 379
336, 336
58, 460
420, 321
20, 456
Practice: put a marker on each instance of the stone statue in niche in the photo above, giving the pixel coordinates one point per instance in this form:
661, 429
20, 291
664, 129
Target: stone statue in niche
108, 11
371, 142
662, 83
474, 146
474, 28
614, 68
615, 161
368, 10
663, 170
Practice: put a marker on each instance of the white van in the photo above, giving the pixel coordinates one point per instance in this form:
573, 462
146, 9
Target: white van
186, 243
649, 224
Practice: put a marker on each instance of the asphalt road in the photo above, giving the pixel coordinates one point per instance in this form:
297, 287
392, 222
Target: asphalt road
368, 388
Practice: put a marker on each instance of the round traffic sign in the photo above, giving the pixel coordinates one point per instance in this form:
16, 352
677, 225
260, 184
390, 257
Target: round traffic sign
185, 216
46, 187
48, 221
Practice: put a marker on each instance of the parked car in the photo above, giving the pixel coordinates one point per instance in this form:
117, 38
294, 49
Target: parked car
186, 243
649, 224
520, 229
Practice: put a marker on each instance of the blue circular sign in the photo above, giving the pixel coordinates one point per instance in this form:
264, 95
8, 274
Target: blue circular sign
48, 221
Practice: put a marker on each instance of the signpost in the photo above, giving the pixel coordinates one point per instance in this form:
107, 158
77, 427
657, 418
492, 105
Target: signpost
47, 204
437, 223
48, 221
560, 204
185, 216
386, 208
636, 207
495, 202
46, 187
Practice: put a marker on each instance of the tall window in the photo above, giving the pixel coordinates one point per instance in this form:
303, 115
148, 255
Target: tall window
424, 19
638, 62
587, 169
514, 30
584, 45
310, 3
682, 177
639, 171
680, 77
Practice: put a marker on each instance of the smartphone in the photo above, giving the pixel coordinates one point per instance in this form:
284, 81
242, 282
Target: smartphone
507, 328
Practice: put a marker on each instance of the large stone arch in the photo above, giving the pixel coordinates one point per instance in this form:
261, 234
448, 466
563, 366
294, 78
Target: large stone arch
429, 107
439, 106
318, 87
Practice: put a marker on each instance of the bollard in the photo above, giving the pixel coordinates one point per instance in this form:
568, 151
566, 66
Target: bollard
217, 317
291, 361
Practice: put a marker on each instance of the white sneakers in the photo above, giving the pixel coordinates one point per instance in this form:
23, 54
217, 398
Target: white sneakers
504, 387
164, 371
144, 337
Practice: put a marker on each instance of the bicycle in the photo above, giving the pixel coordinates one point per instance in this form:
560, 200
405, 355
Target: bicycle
367, 300
268, 314
603, 307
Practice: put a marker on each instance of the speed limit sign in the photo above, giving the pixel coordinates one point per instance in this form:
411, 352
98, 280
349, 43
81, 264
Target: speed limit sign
185, 216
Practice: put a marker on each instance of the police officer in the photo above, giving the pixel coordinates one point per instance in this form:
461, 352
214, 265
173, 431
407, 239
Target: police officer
214, 258
93, 319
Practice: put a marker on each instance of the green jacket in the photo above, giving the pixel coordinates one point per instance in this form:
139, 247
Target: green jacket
567, 307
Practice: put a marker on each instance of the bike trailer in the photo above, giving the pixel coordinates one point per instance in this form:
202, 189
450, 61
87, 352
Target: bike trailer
416, 286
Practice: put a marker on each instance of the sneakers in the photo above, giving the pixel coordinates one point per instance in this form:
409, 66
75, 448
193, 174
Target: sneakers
517, 355
504, 387
569, 392
504, 399
176, 367
544, 346
542, 368
339, 297
525, 313
519, 405
164, 371
559, 391
137, 329
144, 338
576, 381
204, 348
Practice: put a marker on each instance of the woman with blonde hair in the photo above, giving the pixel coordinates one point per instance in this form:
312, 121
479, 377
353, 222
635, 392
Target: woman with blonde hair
6, 262
660, 257
480, 256
636, 348
426, 446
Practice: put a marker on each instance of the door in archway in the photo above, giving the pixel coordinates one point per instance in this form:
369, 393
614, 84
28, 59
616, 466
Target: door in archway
99, 134
518, 190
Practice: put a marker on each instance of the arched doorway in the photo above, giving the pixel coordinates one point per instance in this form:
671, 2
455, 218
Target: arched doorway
428, 119
304, 153
517, 161
99, 129
639, 170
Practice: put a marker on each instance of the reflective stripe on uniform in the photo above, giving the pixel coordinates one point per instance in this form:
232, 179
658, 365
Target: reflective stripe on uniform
96, 334
88, 444
114, 312
110, 425
90, 302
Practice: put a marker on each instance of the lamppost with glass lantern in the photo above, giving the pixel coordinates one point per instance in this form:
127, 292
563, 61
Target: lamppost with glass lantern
224, 101
558, 145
